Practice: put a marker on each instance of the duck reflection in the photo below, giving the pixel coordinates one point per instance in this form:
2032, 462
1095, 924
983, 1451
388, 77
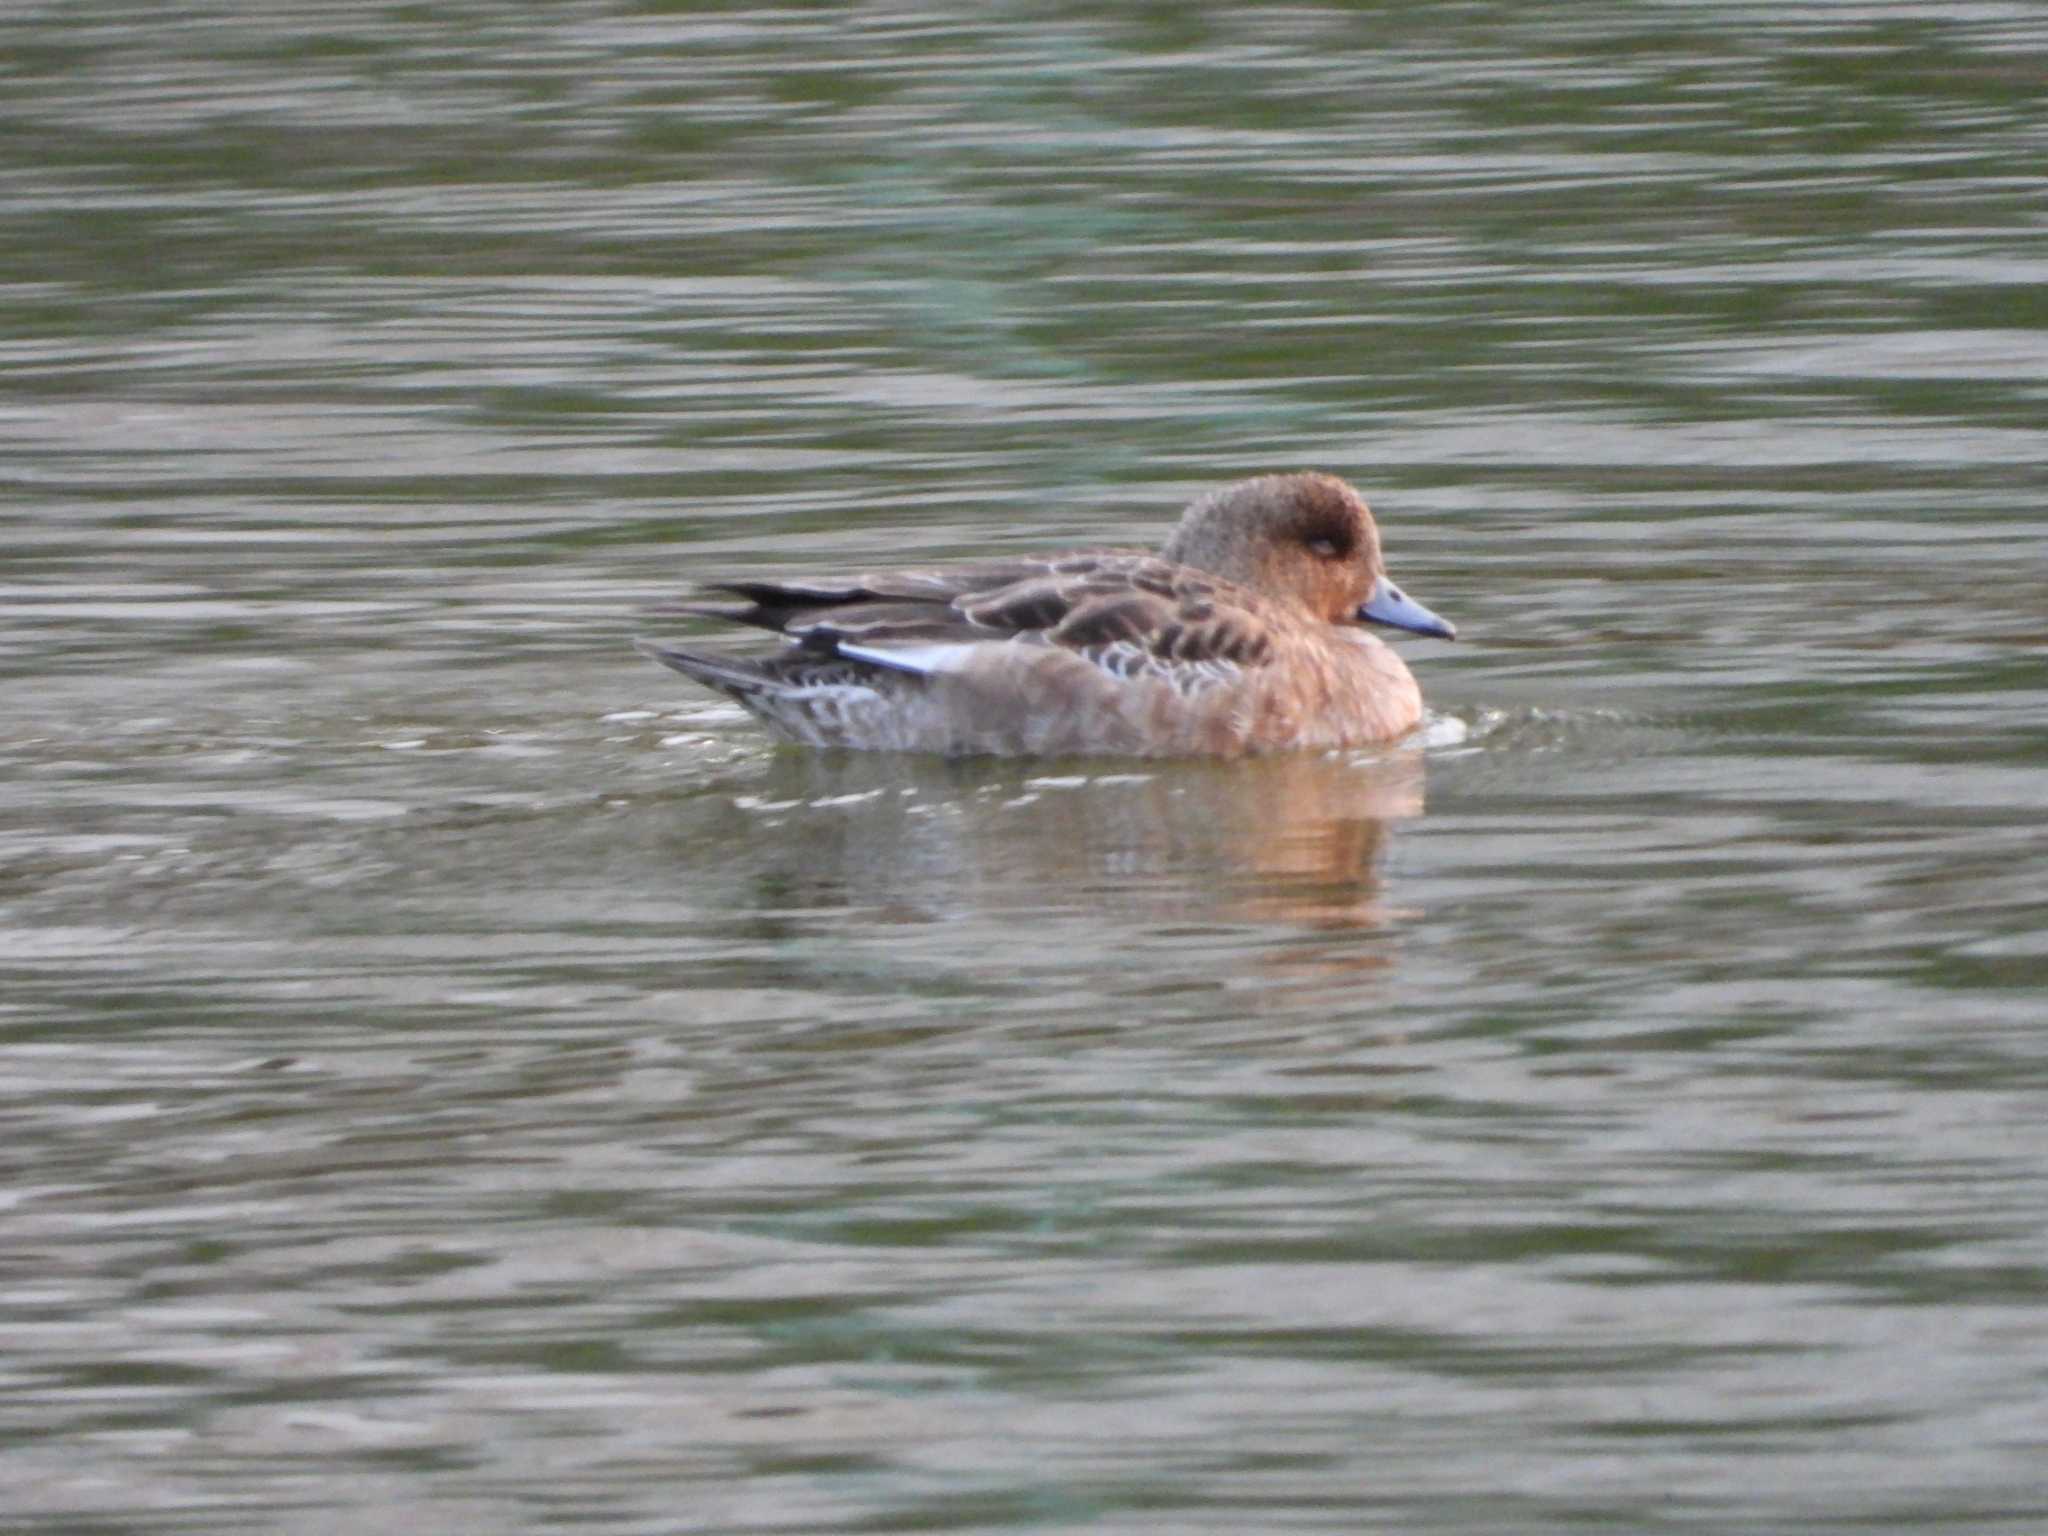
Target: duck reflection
1294, 839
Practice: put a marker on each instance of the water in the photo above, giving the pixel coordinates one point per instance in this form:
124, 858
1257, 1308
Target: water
454, 1073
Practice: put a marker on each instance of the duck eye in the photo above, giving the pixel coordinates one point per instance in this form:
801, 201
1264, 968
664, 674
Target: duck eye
1325, 548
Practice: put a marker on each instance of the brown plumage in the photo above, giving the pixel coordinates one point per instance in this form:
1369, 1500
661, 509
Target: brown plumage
1243, 634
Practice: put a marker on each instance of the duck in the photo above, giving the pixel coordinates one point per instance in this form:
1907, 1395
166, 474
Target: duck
1243, 634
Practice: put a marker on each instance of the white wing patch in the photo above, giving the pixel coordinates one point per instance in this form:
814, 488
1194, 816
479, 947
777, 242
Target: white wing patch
930, 659
1124, 660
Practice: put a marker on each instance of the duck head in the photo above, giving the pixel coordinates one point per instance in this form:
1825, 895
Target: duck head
1303, 539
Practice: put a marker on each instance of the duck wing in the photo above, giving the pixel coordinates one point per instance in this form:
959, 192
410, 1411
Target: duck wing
1124, 611
790, 606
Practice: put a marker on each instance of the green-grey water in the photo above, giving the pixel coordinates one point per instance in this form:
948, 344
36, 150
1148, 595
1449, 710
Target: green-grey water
456, 1076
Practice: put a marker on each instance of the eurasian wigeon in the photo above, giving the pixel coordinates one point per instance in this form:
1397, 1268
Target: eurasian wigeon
1243, 634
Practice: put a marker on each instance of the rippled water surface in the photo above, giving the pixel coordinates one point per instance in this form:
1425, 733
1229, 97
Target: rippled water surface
455, 1074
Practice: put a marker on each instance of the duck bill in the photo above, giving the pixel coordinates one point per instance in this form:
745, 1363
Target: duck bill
1390, 605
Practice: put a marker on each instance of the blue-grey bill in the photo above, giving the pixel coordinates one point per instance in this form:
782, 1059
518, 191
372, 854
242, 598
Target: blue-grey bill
1390, 605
